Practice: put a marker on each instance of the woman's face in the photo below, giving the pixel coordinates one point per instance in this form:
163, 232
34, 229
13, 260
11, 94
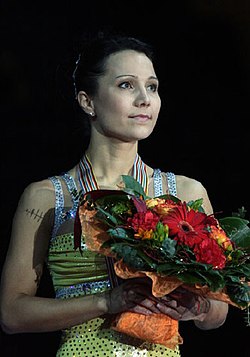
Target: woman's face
127, 102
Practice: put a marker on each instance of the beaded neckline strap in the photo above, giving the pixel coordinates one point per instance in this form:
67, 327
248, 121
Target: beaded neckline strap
88, 180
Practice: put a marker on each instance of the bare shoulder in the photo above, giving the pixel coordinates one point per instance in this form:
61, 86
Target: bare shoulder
189, 186
37, 199
191, 189
34, 215
40, 194
30, 235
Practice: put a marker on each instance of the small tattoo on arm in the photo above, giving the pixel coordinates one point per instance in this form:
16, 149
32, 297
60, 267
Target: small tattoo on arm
35, 214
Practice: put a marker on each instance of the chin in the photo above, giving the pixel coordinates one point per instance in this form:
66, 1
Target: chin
144, 134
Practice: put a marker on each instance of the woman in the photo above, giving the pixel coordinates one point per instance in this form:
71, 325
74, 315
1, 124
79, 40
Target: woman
117, 89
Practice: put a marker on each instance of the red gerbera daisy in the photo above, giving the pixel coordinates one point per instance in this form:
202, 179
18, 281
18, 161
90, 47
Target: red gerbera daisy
187, 226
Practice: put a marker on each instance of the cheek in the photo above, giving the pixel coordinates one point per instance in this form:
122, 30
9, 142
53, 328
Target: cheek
115, 107
111, 103
158, 105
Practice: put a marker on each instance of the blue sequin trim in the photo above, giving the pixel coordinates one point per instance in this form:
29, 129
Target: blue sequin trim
72, 189
83, 289
158, 183
171, 183
59, 204
60, 214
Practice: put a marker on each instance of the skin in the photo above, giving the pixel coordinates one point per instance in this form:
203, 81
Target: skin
126, 109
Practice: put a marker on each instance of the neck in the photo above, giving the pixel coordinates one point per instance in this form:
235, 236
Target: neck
89, 181
109, 165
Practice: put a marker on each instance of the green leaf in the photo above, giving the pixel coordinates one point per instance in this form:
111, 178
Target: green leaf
111, 219
196, 205
120, 233
213, 281
237, 272
111, 209
239, 293
133, 187
130, 255
194, 273
238, 230
167, 267
169, 246
109, 201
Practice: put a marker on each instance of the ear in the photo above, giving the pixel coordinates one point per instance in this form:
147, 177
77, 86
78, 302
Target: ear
85, 103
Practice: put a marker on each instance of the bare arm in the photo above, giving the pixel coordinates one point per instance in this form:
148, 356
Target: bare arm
23, 311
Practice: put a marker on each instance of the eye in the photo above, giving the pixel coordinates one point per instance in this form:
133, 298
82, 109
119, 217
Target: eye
125, 85
153, 87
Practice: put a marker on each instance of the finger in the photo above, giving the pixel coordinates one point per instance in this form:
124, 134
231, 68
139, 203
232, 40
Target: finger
165, 298
186, 300
169, 303
150, 305
181, 309
141, 310
174, 314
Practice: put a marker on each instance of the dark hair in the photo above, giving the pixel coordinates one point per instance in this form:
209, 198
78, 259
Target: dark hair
93, 56
82, 73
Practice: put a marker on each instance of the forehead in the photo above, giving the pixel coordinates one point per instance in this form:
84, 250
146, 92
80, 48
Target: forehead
129, 62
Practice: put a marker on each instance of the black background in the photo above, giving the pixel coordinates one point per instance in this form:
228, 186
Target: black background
203, 62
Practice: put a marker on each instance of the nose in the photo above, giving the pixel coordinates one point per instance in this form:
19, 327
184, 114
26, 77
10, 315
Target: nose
142, 99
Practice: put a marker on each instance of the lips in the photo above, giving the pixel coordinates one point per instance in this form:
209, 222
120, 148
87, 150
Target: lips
141, 117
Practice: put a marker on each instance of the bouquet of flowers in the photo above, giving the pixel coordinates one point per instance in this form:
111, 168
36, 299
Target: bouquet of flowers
170, 241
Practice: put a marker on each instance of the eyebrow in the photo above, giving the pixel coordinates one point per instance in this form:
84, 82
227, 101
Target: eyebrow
131, 75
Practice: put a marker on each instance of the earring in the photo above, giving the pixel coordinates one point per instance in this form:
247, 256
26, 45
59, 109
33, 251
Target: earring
92, 114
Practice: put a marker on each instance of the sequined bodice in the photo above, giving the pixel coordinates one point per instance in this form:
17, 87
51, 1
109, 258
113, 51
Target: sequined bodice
76, 274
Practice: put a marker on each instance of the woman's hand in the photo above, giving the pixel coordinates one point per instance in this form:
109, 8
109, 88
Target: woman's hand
184, 305
133, 295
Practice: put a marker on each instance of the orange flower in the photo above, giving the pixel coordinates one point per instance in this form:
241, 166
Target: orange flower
144, 234
160, 206
220, 236
152, 202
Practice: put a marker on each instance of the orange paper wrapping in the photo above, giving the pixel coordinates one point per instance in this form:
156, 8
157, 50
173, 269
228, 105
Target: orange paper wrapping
156, 328
163, 285
93, 231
